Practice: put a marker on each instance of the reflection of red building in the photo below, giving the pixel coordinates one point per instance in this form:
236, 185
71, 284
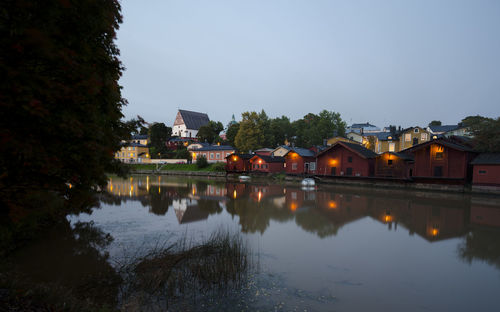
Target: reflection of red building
393, 165
300, 161
440, 159
238, 162
486, 169
346, 159
268, 164
485, 211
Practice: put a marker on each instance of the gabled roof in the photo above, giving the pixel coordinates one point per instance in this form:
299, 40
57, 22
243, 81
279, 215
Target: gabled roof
244, 156
407, 157
140, 137
194, 120
270, 159
356, 148
264, 149
444, 128
487, 159
216, 148
177, 139
383, 136
441, 141
303, 152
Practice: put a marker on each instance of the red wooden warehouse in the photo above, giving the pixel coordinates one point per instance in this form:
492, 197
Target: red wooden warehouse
268, 164
346, 159
442, 159
486, 169
300, 161
394, 165
238, 162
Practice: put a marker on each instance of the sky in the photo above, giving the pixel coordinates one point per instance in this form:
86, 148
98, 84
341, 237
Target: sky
384, 62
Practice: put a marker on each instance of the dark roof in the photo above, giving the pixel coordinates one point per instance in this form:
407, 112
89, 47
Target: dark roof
403, 156
383, 136
265, 149
194, 120
133, 144
444, 128
216, 148
442, 141
487, 159
177, 139
303, 152
270, 159
357, 148
361, 125
140, 137
244, 156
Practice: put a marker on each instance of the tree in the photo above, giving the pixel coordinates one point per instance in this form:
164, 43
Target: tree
60, 100
209, 132
486, 133
249, 136
281, 130
435, 123
231, 133
158, 136
312, 129
136, 126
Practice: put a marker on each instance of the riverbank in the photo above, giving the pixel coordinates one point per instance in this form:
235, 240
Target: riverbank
380, 183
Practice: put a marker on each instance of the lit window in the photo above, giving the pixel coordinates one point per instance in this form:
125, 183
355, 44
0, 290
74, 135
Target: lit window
392, 147
424, 136
407, 137
294, 166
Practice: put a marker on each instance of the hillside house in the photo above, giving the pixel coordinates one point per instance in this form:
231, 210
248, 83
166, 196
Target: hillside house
187, 123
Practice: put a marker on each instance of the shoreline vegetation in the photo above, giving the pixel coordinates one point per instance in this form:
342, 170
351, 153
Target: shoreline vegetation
174, 276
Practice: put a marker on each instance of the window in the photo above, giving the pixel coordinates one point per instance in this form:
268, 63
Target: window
389, 162
415, 130
423, 136
407, 137
334, 171
211, 155
439, 155
264, 166
392, 147
482, 171
294, 166
438, 171
217, 155
349, 159
312, 166
349, 171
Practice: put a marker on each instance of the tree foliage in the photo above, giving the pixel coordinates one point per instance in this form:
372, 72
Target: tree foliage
209, 132
486, 132
313, 129
231, 133
435, 123
159, 133
250, 136
60, 99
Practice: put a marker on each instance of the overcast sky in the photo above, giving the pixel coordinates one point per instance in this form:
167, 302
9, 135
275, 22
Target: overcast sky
386, 62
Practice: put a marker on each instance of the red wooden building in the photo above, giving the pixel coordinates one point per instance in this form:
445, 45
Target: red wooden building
486, 169
442, 159
300, 161
238, 162
394, 165
346, 159
268, 164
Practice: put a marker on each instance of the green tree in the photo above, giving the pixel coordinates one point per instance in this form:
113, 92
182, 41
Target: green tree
158, 136
231, 133
486, 132
313, 129
209, 132
249, 136
281, 130
435, 123
60, 100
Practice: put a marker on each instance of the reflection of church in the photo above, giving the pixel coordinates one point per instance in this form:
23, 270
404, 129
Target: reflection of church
187, 210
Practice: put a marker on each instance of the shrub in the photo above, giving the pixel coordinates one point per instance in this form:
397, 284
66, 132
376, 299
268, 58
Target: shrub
201, 162
220, 166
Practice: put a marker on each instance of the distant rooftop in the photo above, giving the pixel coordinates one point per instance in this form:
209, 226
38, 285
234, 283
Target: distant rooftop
194, 120
216, 148
442, 129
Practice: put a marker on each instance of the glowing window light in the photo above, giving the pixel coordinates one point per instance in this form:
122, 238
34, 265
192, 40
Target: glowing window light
235, 194
332, 204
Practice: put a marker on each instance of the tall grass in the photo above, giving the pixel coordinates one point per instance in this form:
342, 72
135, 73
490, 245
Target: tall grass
180, 273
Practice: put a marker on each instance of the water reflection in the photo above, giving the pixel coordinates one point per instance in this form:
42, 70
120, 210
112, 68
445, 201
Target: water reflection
322, 211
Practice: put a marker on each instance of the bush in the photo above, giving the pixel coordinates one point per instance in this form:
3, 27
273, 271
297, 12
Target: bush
201, 162
220, 166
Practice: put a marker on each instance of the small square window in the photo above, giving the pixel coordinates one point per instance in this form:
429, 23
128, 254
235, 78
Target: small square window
415, 130
482, 171
439, 155
389, 162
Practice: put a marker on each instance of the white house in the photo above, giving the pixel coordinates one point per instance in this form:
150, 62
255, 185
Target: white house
187, 123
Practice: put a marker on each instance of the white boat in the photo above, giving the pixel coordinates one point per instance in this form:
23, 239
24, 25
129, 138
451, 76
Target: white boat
244, 178
308, 182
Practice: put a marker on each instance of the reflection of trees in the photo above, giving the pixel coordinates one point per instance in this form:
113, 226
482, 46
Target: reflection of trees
68, 265
481, 244
314, 221
210, 206
159, 202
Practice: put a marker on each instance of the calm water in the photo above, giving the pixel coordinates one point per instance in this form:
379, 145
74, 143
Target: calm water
326, 248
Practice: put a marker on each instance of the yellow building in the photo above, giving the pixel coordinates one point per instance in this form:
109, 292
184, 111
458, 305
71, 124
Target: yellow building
133, 153
384, 142
413, 136
331, 141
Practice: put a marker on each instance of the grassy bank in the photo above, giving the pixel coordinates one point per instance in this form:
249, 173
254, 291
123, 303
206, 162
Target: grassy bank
217, 167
